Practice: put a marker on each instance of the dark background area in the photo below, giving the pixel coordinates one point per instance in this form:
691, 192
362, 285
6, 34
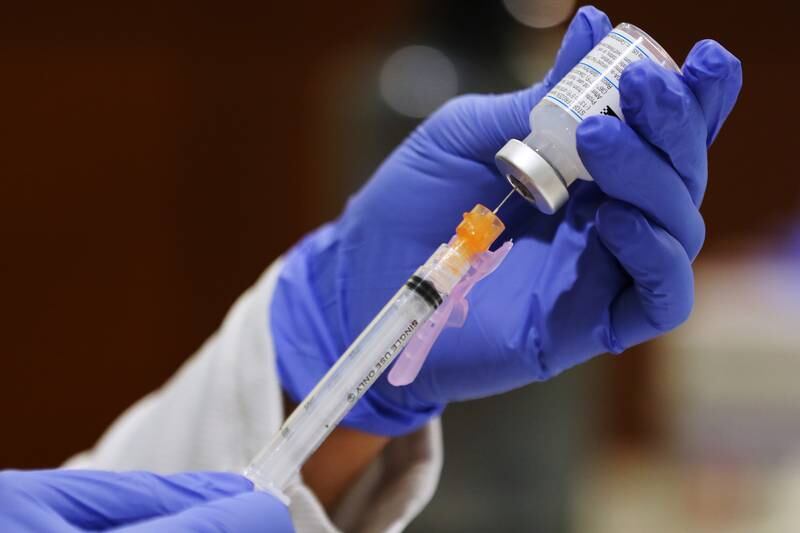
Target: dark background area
157, 156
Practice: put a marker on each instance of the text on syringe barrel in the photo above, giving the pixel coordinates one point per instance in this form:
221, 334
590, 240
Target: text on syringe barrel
352, 375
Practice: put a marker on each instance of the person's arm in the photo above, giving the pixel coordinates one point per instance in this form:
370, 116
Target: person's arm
224, 404
340, 462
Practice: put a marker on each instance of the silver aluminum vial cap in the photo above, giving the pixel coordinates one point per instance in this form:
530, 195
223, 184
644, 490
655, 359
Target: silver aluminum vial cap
532, 176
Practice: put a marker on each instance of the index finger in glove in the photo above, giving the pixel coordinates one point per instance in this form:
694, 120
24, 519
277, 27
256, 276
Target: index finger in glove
97, 500
244, 513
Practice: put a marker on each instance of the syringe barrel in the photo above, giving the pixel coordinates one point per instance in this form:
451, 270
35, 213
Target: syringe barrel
356, 370
372, 352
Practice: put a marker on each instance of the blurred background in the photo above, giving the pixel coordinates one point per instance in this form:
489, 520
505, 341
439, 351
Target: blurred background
157, 156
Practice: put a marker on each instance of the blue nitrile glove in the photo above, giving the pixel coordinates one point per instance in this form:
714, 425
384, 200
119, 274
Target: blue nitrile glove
611, 270
90, 500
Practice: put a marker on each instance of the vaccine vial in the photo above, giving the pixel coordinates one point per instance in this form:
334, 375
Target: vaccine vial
543, 165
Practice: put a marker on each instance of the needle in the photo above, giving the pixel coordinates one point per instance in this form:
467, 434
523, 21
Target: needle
496, 209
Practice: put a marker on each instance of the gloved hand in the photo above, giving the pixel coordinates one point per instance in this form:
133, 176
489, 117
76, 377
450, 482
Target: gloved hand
611, 270
87, 500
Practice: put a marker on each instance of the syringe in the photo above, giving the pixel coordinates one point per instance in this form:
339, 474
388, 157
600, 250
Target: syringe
373, 351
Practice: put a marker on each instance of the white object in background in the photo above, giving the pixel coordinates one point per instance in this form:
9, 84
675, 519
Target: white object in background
415, 80
729, 375
540, 13
730, 404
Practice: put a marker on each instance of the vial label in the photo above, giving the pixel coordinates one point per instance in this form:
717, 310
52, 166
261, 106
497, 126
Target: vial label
592, 86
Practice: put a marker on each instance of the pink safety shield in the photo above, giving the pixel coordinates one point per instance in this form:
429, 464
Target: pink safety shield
451, 313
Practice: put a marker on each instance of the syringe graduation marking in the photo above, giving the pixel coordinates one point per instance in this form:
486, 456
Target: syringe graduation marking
425, 289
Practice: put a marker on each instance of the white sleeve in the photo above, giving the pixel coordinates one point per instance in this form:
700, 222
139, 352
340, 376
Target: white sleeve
224, 403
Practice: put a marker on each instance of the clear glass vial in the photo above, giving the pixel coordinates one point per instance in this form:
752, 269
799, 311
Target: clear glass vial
543, 165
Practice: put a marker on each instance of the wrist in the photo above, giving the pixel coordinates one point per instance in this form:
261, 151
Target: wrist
339, 462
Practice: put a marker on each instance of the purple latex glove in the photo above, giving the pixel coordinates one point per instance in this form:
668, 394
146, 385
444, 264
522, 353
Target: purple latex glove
89, 500
610, 270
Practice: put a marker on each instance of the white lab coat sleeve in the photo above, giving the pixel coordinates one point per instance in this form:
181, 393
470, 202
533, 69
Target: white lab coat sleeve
224, 403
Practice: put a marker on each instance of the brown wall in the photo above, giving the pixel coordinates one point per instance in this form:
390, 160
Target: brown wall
154, 161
